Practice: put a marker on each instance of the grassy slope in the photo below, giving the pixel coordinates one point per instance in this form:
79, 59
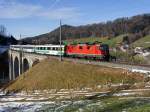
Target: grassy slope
112, 42
51, 74
142, 42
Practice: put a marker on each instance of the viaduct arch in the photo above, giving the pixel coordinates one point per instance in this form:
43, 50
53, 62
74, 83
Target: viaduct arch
16, 67
19, 62
25, 65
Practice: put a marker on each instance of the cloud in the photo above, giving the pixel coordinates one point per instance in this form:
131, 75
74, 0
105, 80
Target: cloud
54, 3
14, 10
63, 13
17, 10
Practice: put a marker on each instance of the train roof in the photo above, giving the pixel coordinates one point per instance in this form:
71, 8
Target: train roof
47, 45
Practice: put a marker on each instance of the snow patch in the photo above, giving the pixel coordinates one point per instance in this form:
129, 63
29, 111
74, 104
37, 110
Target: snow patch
140, 71
123, 94
22, 106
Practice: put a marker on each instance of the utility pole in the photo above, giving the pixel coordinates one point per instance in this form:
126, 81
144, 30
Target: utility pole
21, 54
60, 43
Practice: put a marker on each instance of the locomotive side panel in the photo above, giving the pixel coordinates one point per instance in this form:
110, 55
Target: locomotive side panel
91, 51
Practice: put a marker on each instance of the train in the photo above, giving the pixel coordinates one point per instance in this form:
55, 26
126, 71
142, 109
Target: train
84, 50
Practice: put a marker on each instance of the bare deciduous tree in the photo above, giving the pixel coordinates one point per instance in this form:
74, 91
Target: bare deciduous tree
2, 30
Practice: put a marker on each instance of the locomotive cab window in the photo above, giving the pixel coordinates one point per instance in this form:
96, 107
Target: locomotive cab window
80, 47
104, 47
101, 48
88, 47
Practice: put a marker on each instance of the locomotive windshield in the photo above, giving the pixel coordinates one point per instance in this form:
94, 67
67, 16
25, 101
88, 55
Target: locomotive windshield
104, 47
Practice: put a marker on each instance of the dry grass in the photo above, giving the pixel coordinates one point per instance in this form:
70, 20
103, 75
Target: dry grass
53, 74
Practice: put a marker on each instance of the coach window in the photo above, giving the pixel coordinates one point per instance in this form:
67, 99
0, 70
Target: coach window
60, 49
48, 48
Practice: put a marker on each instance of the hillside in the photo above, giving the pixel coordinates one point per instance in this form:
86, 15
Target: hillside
111, 42
53, 74
4, 69
7, 40
142, 42
138, 25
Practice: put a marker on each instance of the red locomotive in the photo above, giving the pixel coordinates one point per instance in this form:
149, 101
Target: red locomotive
94, 51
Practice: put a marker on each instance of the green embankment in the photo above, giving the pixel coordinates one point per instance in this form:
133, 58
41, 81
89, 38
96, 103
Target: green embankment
111, 42
53, 74
142, 42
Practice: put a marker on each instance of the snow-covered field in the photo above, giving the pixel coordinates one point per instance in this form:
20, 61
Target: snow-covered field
37, 100
54, 101
15, 106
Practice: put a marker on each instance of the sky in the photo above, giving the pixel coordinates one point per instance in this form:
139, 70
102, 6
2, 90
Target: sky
33, 17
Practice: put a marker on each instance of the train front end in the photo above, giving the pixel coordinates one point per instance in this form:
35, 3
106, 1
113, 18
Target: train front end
104, 49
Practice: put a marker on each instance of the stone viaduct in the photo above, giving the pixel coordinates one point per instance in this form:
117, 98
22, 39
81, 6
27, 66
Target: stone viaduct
20, 62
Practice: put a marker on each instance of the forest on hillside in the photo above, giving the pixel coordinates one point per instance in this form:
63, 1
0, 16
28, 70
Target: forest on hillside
137, 26
6, 39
